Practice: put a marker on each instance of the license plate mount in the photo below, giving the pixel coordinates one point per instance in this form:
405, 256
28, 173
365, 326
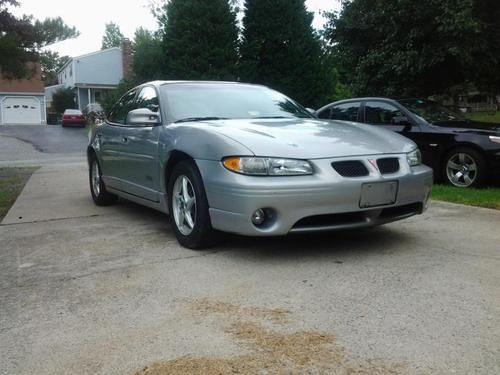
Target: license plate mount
378, 194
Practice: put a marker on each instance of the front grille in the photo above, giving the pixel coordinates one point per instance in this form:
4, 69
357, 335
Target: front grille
388, 165
350, 168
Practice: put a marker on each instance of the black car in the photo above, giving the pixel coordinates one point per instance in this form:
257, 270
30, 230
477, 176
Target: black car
462, 152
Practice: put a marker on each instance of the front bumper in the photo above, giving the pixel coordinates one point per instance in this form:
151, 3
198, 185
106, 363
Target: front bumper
323, 201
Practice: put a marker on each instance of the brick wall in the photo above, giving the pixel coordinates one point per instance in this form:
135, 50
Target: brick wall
33, 84
127, 58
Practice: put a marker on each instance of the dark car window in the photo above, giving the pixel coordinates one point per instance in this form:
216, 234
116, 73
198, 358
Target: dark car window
380, 113
345, 112
120, 110
325, 114
148, 98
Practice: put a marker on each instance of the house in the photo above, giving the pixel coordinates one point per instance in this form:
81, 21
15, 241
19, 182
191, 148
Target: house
93, 74
22, 100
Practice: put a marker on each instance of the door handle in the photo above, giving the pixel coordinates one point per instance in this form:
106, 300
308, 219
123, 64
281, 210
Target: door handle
99, 135
125, 140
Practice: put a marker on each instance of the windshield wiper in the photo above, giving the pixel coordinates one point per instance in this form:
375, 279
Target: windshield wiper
188, 119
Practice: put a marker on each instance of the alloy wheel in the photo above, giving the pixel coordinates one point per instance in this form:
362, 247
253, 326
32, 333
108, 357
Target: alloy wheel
96, 178
184, 205
461, 169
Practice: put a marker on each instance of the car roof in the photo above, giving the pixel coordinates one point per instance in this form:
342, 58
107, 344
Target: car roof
162, 83
362, 99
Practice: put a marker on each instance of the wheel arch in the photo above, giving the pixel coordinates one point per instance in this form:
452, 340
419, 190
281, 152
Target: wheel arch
90, 153
175, 157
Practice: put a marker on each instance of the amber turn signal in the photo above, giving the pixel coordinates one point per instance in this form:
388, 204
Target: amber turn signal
233, 164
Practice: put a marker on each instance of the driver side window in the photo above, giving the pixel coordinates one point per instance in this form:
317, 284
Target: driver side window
120, 110
148, 98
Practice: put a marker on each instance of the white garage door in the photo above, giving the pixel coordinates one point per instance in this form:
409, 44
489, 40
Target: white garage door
21, 110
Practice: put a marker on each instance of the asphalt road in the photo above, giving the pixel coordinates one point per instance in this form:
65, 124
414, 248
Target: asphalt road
51, 139
109, 291
41, 145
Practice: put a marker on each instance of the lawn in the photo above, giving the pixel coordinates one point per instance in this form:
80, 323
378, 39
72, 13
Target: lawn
487, 198
484, 116
12, 181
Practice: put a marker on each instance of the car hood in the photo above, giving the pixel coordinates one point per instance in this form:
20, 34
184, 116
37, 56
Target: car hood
476, 127
309, 138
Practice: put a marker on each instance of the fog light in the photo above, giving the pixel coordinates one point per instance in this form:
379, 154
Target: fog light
258, 217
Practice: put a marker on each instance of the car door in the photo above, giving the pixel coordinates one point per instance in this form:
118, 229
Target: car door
391, 117
110, 141
139, 155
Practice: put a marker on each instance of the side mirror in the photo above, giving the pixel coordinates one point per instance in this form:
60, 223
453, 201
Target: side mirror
401, 120
143, 116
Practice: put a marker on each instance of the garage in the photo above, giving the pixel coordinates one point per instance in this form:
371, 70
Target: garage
21, 110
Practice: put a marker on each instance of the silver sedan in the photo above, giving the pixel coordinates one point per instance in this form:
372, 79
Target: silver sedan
240, 158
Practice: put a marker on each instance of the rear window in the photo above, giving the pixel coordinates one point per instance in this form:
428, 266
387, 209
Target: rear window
72, 112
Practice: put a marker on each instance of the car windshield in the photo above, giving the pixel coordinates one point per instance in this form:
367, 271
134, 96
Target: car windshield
431, 111
213, 101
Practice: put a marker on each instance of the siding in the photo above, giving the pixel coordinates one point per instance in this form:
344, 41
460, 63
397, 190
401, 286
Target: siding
101, 68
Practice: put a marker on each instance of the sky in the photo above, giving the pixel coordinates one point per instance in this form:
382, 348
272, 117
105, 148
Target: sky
90, 16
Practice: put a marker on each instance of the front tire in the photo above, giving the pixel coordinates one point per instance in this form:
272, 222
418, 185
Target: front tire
188, 207
464, 167
98, 190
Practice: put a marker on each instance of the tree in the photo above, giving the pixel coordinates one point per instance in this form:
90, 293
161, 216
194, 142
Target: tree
63, 99
112, 96
112, 36
406, 47
486, 52
51, 62
147, 64
199, 39
285, 54
21, 39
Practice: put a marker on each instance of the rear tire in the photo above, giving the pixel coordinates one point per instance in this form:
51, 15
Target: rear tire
188, 207
464, 167
98, 190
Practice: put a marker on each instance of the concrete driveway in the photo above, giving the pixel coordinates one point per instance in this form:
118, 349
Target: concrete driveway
109, 291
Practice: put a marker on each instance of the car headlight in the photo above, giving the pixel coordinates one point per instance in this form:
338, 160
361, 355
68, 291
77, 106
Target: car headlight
256, 166
494, 139
414, 158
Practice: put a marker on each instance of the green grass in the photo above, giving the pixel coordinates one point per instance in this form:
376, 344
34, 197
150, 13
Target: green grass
487, 198
484, 116
12, 181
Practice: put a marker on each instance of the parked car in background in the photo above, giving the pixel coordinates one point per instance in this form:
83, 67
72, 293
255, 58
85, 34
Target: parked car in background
462, 152
246, 159
73, 117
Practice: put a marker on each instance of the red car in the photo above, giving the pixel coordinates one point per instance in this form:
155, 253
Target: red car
73, 117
